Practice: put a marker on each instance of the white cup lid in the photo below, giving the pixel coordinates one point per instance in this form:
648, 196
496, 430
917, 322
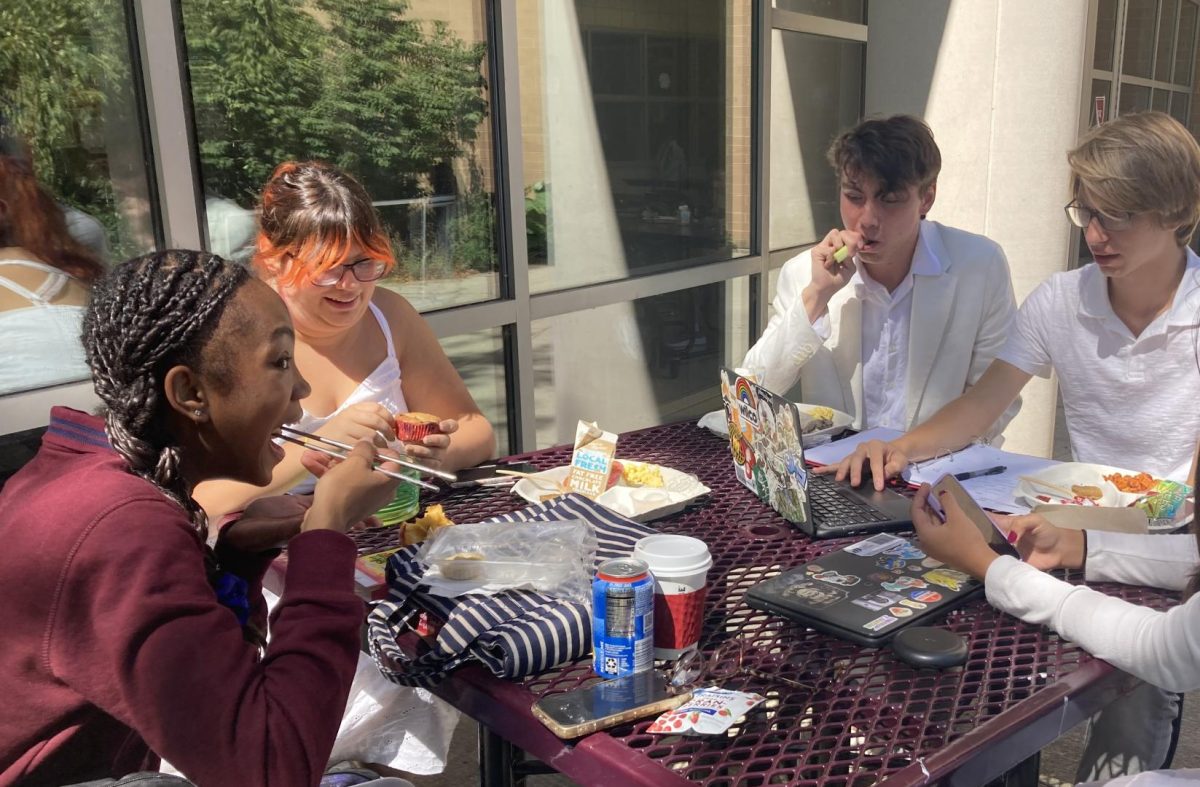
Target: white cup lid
673, 554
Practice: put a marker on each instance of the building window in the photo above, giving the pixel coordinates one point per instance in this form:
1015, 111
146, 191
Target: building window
635, 129
393, 92
71, 111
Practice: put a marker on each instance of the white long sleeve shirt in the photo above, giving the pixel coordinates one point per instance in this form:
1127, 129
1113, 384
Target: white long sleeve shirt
1162, 648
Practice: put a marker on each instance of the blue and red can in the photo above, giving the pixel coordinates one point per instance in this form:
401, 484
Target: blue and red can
622, 618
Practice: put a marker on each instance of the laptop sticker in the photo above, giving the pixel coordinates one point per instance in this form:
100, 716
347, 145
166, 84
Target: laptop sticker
881, 622
928, 596
908, 602
813, 595
900, 612
834, 578
947, 578
874, 545
876, 602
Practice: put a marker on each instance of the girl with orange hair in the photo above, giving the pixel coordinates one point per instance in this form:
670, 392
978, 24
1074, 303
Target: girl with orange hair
368, 354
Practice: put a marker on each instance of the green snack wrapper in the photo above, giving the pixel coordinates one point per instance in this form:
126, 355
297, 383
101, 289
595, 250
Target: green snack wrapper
1164, 499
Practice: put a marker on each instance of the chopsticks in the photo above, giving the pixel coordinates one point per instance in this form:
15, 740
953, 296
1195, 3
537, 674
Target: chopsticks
1062, 491
314, 442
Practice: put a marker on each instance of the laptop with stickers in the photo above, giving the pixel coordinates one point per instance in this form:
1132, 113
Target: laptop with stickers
768, 458
866, 591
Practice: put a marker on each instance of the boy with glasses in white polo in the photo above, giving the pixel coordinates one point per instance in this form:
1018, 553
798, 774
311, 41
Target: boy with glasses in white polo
1122, 336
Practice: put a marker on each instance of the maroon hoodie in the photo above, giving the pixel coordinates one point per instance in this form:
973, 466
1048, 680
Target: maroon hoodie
116, 650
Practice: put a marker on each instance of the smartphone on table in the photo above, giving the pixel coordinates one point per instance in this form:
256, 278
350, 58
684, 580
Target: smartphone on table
488, 475
996, 537
574, 714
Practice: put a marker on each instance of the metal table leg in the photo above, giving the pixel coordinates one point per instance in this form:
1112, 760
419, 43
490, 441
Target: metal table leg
496, 757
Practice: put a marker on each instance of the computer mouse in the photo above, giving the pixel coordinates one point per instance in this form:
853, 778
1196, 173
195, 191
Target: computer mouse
929, 648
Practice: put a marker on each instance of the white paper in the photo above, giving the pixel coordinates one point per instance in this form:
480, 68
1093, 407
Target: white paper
838, 450
995, 492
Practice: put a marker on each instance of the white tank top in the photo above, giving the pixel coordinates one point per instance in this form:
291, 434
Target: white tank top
41, 341
381, 386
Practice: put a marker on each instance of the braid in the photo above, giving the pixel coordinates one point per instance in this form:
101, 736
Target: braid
149, 314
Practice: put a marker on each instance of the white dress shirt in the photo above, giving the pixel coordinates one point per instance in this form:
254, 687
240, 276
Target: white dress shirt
886, 319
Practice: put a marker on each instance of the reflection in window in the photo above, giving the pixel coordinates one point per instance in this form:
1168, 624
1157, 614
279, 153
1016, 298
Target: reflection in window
816, 92
659, 357
73, 179
845, 10
636, 125
479, 359
393, 92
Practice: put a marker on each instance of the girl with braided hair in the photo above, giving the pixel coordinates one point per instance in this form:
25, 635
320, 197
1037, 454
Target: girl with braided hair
367, 352
126, 637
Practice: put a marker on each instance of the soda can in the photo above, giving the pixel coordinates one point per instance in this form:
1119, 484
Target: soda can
622, 618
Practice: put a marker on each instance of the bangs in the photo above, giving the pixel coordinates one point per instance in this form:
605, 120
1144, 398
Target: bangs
322, 252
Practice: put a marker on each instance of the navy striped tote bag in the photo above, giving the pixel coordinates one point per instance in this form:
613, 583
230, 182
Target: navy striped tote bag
513, 634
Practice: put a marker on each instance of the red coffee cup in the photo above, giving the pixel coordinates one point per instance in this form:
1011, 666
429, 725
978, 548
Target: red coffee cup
680, 566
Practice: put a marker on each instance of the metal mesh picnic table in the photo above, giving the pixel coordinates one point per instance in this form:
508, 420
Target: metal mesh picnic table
867, 716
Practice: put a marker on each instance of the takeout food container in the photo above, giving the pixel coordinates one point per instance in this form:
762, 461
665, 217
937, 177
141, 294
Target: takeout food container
639, 503
1069, 474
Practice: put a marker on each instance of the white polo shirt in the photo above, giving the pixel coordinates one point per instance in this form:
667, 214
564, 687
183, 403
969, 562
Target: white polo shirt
1129, 402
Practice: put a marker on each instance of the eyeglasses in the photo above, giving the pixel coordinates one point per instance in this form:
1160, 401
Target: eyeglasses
364, 270
694, 669
1082, 216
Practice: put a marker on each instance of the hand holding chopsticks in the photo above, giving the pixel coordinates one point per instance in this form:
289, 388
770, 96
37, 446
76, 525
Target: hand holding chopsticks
326, 445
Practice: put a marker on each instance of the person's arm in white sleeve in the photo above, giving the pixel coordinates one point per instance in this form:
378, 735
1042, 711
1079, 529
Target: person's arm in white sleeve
1000, 311
1166, 561
1162, 648
790, 339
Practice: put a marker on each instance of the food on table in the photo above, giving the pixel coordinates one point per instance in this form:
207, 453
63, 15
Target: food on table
817, 418
462, 565
412, 427
614, 473
1088, 491
591, 460
422, 527
1140, 483
642, 474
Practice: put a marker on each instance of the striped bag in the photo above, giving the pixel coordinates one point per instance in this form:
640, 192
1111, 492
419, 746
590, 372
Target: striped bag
513, 634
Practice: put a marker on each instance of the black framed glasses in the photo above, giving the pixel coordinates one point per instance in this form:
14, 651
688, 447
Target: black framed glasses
730, 659
1081, 216
364, 270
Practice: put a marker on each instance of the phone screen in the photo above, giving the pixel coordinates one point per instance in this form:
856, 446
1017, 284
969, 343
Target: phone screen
486, 474
996, 538
607, 698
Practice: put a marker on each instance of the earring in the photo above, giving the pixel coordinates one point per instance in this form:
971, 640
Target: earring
198, 412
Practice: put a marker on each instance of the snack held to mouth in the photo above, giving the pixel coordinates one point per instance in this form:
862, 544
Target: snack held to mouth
414, 427
591, 460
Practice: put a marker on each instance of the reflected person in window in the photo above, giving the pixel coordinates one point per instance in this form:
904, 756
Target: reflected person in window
45, 276
367, 353
913, 315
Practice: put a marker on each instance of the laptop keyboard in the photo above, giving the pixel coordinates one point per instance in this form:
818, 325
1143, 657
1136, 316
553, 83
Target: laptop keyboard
831, 509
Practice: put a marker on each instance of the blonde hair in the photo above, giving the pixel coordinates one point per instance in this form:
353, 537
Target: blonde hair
1146, 162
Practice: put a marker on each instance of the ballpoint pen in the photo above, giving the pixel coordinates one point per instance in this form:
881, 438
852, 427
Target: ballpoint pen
977, 473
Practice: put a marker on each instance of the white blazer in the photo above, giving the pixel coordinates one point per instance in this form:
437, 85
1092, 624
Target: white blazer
960, 321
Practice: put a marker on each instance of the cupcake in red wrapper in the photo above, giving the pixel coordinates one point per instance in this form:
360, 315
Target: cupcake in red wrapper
414, 427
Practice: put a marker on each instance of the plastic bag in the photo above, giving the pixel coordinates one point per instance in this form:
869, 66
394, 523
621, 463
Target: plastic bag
554, 558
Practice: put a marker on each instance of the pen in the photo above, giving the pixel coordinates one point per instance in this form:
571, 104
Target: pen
977, 473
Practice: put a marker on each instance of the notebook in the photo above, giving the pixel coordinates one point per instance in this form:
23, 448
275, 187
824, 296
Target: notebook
867, 591
768, 458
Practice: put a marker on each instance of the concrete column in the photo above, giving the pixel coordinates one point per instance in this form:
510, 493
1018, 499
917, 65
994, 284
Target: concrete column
999, 83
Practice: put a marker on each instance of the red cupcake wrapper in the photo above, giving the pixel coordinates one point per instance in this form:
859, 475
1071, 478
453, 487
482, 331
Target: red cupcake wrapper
411, 433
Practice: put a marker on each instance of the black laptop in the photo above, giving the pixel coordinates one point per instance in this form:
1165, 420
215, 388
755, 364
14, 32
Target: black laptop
764, 437
867, 591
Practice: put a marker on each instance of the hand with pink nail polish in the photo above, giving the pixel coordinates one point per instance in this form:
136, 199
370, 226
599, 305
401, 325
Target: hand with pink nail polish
1041, 544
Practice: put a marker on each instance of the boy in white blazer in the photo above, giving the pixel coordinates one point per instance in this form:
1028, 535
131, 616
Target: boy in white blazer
914, 314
